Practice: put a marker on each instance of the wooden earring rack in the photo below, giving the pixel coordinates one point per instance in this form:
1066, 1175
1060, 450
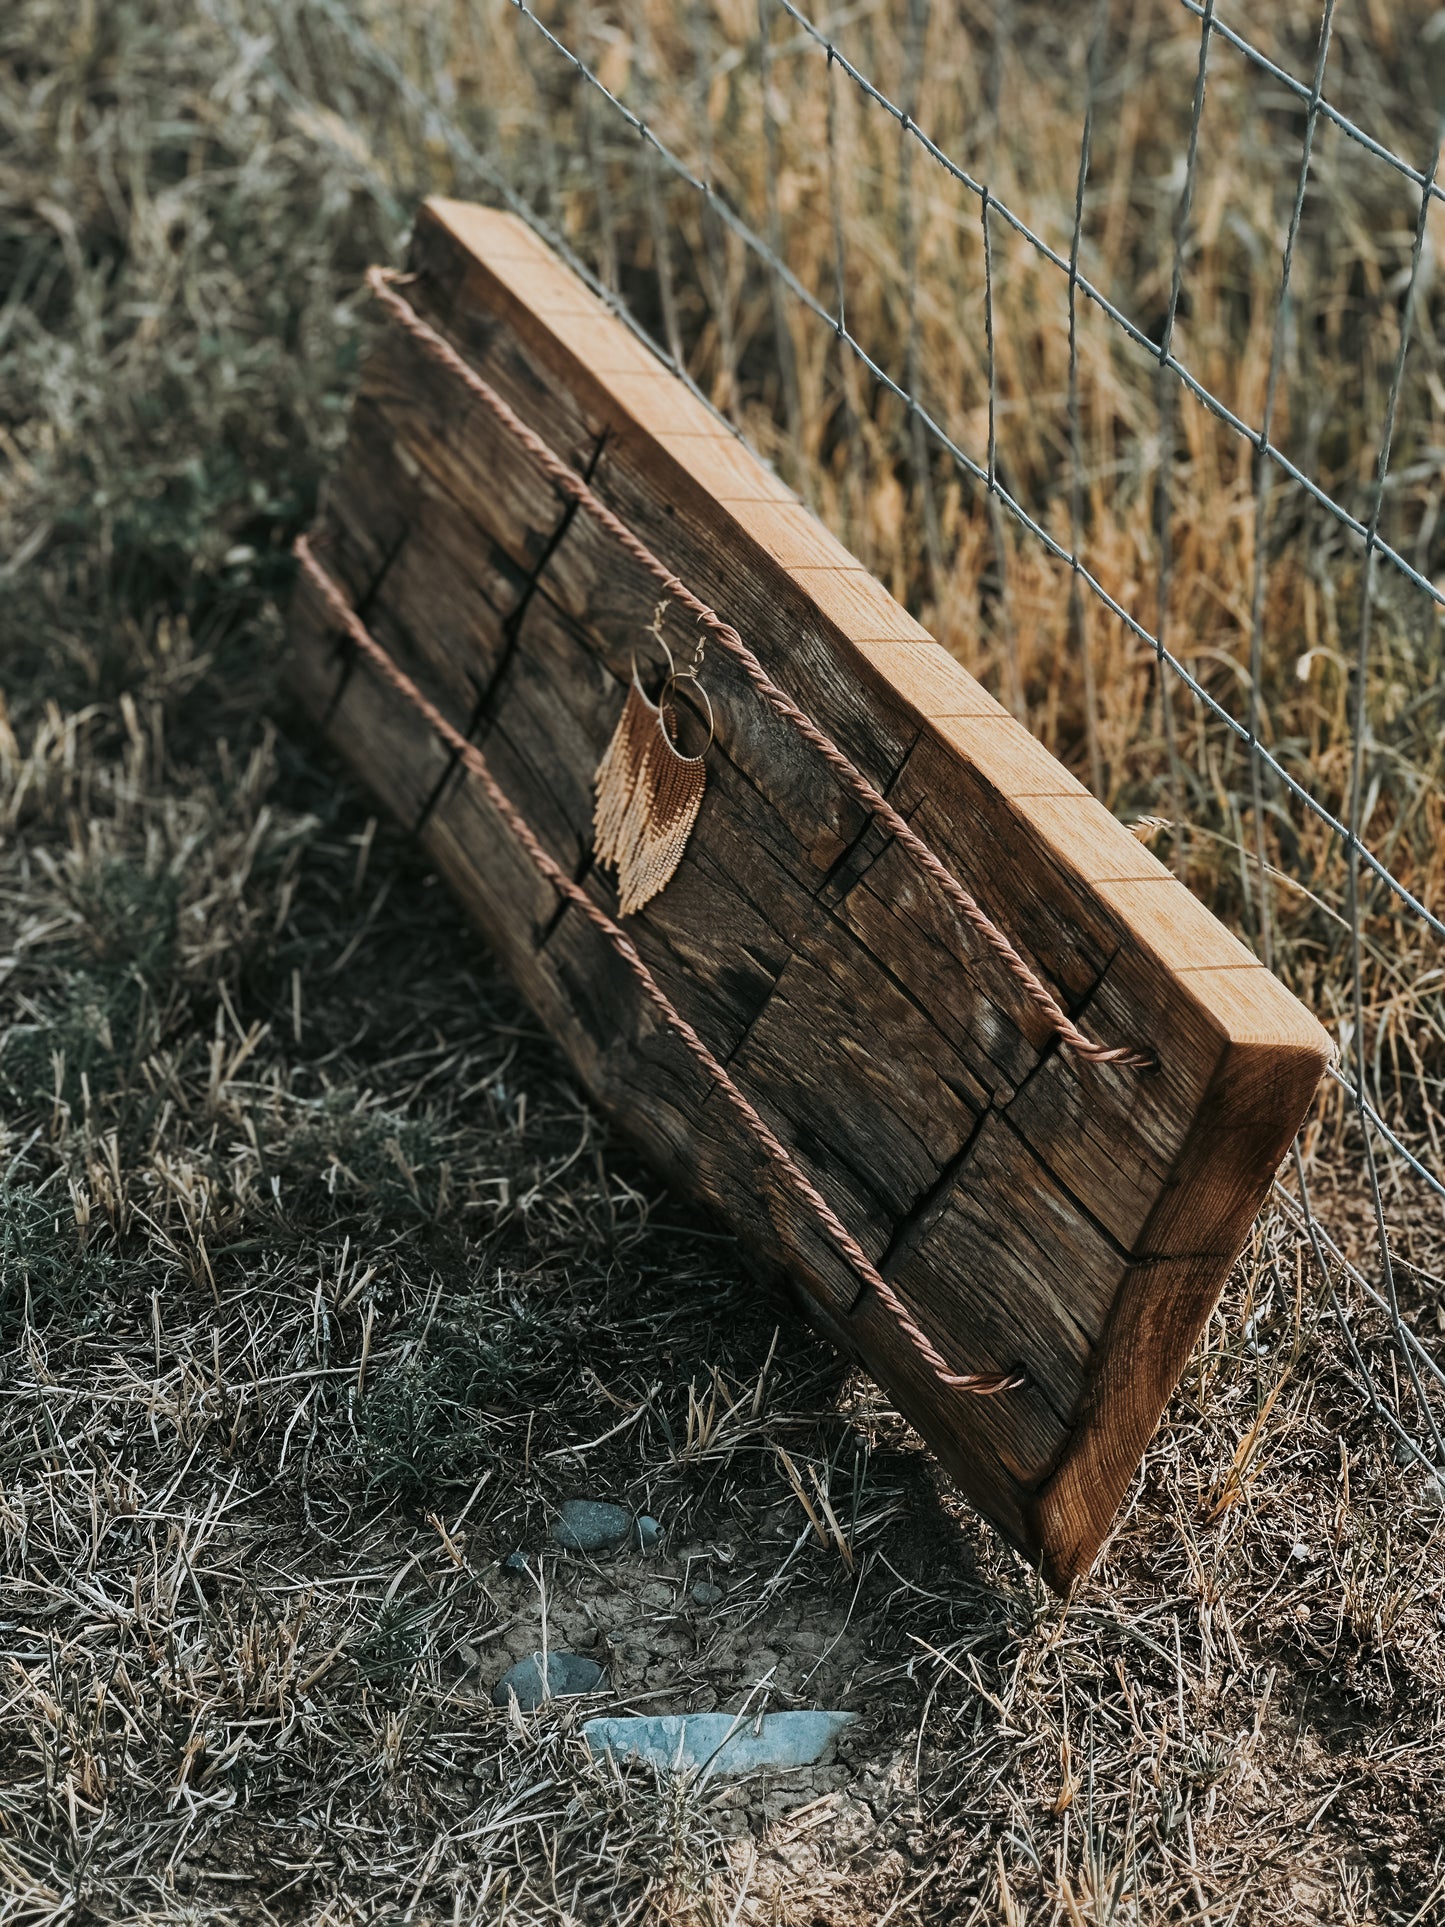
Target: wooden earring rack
1029, 1207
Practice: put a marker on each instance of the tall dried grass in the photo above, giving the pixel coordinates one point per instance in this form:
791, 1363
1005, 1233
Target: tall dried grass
317, 1289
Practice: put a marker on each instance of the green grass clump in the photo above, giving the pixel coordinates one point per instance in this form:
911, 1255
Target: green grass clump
51, 1278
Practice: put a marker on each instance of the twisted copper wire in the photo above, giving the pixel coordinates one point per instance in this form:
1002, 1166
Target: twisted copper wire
982, 1384
571, 484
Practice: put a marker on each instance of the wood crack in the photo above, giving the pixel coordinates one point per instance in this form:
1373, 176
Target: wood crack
920, 1215
345, 647
870, 822
511, 635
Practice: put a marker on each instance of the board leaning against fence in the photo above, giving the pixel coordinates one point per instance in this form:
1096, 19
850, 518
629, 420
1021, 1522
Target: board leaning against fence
937, 1119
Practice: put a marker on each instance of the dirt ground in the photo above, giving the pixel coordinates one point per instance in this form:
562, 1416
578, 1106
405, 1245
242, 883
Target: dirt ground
321, 1288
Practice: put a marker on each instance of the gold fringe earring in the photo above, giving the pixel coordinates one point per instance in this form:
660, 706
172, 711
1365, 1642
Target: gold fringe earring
648, 793
616, 777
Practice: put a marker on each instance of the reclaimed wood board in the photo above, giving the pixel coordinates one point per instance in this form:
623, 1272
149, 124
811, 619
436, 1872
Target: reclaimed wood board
1033, 1210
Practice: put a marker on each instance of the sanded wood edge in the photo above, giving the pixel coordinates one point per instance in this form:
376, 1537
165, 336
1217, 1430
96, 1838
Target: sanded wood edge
1256, 1103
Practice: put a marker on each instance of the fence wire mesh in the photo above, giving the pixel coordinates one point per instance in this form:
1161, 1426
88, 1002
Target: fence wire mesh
1108, 339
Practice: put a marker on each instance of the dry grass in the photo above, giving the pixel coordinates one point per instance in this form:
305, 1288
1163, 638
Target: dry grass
318, 1286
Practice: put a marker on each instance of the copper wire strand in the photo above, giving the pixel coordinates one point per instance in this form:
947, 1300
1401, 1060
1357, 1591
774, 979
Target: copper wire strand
980, 1384
380, 281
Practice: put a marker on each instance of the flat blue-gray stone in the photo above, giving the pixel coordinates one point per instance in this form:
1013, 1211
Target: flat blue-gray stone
566, 1673
718, 1742
646, 1534
591, 1525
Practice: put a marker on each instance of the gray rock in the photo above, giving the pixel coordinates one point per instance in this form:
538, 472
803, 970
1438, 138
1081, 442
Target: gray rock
590, 1525
646, 1534
567, 1673
516, 1562
718, 1743
705, 1593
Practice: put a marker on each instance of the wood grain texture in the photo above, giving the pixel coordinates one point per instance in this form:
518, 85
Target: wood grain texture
1076, 1220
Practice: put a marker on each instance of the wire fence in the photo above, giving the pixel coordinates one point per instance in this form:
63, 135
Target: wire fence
1109, 342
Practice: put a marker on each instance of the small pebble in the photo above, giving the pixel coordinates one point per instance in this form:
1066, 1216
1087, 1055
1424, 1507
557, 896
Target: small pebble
590, 1525
515, 1562
646, 1534
705, 1593
567, 1673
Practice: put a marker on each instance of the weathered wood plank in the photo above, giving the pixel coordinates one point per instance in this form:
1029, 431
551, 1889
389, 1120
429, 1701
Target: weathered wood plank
1072, 1219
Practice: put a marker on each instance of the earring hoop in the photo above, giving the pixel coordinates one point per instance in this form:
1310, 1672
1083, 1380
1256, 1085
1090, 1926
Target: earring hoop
670, 686
671, 675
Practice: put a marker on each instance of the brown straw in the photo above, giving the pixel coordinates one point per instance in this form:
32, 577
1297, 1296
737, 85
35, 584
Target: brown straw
984, 1385
380, 280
